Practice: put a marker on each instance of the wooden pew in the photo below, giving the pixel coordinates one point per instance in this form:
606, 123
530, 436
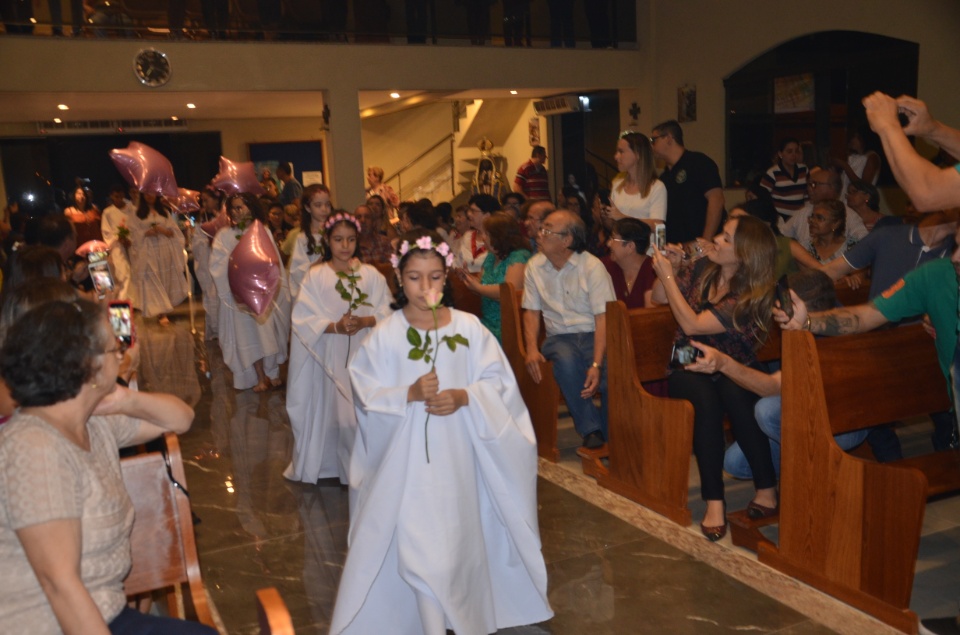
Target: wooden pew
463, 298
851, 527
542, 399
162, 543
272, 613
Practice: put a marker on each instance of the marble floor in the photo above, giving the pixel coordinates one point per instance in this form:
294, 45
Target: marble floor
613, 566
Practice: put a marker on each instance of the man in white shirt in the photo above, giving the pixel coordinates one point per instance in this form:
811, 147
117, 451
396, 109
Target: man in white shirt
115, 216
822, 185
570, 288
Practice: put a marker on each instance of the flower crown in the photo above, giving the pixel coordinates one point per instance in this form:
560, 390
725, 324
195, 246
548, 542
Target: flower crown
342, 216
424, 243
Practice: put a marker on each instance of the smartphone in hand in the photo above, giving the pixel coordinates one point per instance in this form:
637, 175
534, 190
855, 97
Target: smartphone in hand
783, 296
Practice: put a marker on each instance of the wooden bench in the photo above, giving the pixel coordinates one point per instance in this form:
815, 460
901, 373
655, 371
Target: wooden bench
162, 543
463, 298
272, 613
542, 399
650, 437
851, 527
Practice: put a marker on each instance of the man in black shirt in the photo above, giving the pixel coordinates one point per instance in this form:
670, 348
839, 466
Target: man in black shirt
694, 188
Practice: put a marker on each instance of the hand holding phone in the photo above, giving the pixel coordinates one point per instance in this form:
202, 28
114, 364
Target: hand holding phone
121, 320
99, 270
783, 296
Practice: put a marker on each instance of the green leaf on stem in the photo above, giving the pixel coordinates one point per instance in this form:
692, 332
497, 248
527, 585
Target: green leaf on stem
414, 337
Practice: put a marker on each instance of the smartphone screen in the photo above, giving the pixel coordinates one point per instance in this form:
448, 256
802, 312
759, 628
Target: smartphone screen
783, 296
660, 237
121, 319
99, 270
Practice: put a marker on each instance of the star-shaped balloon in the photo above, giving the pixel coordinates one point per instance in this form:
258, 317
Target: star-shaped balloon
186, 201
254, 269
237, 177
146, 169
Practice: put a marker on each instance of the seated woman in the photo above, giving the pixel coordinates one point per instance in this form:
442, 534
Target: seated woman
723, 300
628, 265
790, 254
828, 228
506, 262
65, 516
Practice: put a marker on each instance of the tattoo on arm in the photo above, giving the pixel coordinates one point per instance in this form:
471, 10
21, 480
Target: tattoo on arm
836, 322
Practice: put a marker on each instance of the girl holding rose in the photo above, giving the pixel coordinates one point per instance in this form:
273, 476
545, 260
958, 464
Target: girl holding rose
443, 439
340, 298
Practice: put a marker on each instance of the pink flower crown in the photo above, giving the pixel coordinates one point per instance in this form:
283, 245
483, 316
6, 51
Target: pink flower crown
336, 218
424, 243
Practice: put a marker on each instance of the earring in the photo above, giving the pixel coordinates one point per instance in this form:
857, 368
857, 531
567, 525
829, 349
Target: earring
93, 385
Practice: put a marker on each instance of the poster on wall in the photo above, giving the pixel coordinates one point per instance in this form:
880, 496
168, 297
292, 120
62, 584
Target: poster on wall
312, 177
794, 93
687, 103
533, 128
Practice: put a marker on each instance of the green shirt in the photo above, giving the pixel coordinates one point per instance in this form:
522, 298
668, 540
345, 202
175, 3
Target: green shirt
931, 289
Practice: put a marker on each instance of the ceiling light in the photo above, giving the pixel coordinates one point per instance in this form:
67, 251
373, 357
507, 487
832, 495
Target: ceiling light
191, 106
63, 107
33, 20
57, 120
513, 92
395, 95
174, 118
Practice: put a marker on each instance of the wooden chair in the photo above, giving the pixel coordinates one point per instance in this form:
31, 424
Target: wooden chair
851, 527
542, 399
162, 543
272, 613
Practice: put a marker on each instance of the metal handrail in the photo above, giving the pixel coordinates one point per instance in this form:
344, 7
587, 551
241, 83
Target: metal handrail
607, 166
419, 156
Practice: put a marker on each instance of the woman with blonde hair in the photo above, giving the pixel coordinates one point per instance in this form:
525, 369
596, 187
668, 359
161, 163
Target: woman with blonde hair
638, 193
722, 300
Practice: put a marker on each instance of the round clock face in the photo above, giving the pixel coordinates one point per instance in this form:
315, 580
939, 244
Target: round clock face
152, 67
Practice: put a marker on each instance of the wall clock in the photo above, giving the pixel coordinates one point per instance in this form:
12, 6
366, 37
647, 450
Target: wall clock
151, 67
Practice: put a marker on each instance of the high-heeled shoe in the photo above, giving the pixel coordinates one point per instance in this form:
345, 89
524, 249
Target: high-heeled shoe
713, 534
756, 511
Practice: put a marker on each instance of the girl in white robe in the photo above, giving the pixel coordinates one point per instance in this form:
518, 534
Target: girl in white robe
158, 280
315, 209
452, 543
201, 245
253, 348
326, 334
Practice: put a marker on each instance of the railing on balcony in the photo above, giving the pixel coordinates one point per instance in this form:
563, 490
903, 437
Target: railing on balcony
428, 174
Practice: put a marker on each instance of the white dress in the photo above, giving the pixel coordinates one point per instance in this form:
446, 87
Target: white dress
653, 206
110, 223
201, 247
319, 397
244, 339
300, 262
158, 273
460, 533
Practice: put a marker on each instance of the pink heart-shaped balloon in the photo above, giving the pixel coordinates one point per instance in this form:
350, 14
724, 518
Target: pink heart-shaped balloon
254, 269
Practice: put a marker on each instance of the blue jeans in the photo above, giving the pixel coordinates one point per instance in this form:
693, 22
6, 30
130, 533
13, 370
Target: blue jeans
767, 412
572, 355
130, 622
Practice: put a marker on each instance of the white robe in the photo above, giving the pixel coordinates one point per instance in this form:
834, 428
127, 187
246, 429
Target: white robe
201, 247
300, 262
158, 278
110, 223
244, 339
461, 530
319, 396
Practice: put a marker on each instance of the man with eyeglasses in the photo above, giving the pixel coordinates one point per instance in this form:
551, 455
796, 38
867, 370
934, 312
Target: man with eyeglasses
570, 288
536, 212
822, 185
694, 189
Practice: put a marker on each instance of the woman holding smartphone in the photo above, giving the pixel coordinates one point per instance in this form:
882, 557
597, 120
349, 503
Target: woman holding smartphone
722, 300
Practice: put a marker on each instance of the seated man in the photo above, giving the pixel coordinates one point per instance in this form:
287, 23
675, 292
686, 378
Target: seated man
817, 290
822, 185
571, 288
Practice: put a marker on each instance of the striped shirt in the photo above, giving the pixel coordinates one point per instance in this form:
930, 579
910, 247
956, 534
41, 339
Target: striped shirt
789, 191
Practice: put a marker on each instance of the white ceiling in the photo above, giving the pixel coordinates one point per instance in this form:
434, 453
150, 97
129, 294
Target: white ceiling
33, 107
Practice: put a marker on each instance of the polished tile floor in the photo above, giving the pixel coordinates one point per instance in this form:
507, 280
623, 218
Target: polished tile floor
606, 575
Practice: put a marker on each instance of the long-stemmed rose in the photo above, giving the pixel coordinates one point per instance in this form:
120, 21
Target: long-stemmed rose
421, 348
351, 293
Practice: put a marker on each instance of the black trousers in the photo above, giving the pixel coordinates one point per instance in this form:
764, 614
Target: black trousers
713, 397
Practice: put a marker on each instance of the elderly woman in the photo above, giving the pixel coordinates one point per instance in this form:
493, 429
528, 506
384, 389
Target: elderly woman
723, 300
65, 517
828, 229
505, 263
628, 265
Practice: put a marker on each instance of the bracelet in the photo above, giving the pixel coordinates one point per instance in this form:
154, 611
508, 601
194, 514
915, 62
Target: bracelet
336, 328
595, 365
806, 325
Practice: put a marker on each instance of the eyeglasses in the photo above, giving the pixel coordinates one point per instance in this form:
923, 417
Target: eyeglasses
622, 241
546, 232
653, 139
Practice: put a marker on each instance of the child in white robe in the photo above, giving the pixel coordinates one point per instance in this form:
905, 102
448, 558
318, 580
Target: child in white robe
158, 280
201, 245
315, 209
253, 348
326, 334
443, 530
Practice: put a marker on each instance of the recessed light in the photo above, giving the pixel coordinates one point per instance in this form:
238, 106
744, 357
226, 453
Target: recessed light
57, 120
191, 106
63, 107
395, 95
513, 92
33, 20
175, 118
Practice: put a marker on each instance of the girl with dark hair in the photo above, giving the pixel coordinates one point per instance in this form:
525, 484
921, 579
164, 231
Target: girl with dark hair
443, 437
722, 300
315, 209
84, 215
506, 262
253, 347
157, 279
339, 298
